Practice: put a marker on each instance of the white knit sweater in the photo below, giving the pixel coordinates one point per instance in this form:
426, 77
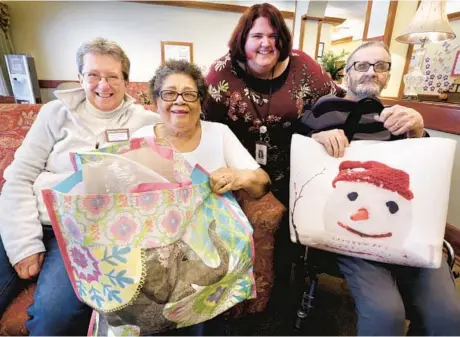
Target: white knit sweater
68, 124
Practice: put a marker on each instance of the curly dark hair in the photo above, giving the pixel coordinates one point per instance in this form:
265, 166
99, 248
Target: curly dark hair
179, 67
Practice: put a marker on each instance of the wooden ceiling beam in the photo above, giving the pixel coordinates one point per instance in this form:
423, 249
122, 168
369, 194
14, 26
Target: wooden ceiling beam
325, 19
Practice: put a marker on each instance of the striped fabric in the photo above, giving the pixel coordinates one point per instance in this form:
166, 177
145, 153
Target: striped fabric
333, 116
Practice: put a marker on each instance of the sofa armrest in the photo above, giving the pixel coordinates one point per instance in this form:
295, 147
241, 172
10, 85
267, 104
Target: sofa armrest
265, 215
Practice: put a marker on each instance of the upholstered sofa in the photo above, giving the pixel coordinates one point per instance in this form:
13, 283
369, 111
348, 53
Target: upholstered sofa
264, 214
15, 122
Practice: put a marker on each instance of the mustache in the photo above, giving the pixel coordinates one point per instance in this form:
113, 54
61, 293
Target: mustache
368, 79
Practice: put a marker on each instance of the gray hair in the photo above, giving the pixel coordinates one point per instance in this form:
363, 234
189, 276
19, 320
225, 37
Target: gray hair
104, 47
366, 45
179, 67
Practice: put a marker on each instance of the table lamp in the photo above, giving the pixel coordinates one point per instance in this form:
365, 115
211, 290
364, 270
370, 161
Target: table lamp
430, 24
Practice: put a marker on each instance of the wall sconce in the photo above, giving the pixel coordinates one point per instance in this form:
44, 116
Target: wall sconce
430, 24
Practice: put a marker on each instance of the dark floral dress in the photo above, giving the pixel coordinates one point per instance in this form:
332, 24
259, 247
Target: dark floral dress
276, 104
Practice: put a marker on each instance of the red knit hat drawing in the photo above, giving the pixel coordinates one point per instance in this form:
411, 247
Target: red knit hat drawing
376, 173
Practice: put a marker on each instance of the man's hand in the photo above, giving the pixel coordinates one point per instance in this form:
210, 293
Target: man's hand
334, 141
399, 120
30, 266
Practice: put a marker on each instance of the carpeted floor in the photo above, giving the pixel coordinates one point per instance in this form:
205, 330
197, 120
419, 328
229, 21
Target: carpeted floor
334, 314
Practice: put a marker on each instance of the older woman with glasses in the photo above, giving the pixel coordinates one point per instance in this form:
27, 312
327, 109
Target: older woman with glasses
80, 119
180, 92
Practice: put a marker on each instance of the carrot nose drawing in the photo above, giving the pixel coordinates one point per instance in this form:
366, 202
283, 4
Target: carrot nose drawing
362, 214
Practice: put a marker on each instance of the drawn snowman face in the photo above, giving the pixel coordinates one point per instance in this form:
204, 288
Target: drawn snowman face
362, 210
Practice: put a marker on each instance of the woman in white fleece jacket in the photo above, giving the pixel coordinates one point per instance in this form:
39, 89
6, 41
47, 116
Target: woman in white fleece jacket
76, 121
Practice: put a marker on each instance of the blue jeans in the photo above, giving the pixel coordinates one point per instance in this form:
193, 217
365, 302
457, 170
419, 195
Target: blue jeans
56, 310
385, 293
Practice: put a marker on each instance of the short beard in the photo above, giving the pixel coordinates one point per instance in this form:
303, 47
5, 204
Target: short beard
362, 90
365, 91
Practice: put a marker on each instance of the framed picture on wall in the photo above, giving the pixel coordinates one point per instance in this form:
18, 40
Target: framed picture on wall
176, 50
456, 67
320, 50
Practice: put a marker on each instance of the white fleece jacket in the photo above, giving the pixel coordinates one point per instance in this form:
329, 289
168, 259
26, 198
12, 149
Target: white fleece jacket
43, 160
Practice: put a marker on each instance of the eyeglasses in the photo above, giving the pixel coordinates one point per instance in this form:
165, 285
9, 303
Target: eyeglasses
94, 78
171, 95
379, 67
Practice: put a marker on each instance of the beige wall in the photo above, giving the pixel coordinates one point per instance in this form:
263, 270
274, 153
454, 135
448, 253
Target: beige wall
300, 10
405, 11
348, 47
326, 36
52, 32
309, 37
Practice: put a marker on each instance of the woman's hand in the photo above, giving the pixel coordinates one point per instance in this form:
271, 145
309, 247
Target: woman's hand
30, 266
255, 182
334, 141
224, 180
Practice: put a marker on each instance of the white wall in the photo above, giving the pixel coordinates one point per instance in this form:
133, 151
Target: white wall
378, 19
52, 32
301, 9
309, 37
453, 217
326, 36
283, 5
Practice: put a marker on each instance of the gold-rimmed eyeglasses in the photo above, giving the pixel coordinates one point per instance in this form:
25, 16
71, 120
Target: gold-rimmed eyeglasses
94, 78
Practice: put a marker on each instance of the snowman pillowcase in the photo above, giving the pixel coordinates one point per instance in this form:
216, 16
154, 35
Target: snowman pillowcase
383, 201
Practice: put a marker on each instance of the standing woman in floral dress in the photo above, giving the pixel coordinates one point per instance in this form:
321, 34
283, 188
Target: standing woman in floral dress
260, 89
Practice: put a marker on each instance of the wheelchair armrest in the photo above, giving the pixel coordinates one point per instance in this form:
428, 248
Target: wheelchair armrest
450, 254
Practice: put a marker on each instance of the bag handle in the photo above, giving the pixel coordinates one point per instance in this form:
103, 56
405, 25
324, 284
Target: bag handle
367, 105
160, 145
355, 110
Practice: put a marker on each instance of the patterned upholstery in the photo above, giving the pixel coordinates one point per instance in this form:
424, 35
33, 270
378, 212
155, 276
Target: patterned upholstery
265, 215
12, 323
139, 91
15, 122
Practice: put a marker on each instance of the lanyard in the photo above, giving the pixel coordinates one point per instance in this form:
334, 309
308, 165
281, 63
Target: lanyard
263, 128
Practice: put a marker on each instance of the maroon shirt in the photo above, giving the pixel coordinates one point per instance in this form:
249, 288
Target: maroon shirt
276, 104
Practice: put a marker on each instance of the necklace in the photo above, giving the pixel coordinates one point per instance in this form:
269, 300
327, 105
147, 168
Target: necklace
260, 100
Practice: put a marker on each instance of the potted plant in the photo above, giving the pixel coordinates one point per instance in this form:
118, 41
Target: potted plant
333, 64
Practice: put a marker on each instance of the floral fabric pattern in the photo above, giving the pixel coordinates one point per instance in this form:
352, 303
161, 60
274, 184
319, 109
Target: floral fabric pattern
15, 122
234, 94
155, 260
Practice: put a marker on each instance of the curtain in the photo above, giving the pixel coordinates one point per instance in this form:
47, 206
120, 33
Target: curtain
6, 47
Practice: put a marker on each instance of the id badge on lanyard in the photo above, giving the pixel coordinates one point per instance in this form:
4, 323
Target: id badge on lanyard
261, 154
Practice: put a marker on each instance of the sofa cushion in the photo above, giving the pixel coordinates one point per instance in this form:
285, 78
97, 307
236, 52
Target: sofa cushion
12, 322
15, 122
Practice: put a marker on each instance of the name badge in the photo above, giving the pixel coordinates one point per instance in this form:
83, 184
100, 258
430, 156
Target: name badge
261, 153
116, 135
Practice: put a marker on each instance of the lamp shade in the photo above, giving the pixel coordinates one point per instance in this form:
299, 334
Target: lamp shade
430, 24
